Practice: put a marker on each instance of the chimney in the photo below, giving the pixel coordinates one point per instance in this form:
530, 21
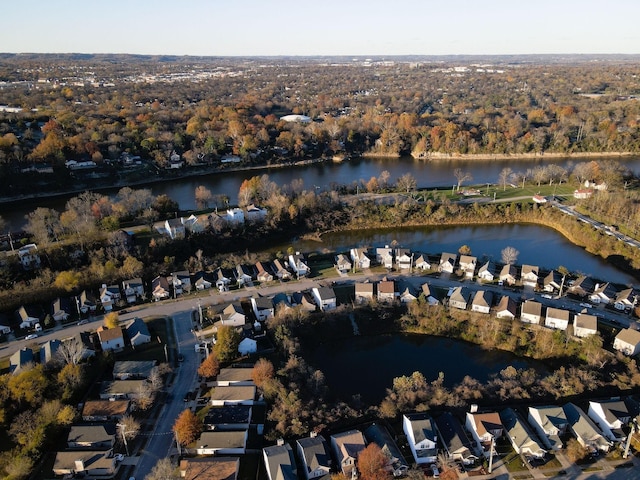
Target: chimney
79, 465
313, 434
280, 442
473, 408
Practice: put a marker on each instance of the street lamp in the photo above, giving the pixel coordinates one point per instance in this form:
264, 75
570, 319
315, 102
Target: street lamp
124, 437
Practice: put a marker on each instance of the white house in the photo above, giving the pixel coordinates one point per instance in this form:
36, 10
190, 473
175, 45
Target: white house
468, 265
384, 256
138, 332
447, 262
247, 346
325, 298
485, 272
346, 447
314, 454
531, 312
627, 341
364, 292
298, 265
133, 289
403, 259
235, 215
422, 263
111, 339
453, 438
360, 258
585, 430
612, 415
585, 325
523, 441
233, 315
604, 293
343, 265
459, 298
174, 228
485, 428
482, 302
507, 308
550, 422
222, 443
529, 275
557, 318
421, 436
29, 257
508, 274
262, 308
279, 462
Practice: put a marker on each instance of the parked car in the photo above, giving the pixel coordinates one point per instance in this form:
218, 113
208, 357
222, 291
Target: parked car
119, 457
436, 472
83, 322
31, 336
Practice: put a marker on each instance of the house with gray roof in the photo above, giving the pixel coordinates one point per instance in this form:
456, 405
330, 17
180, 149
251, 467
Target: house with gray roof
585, 430
92, 437
613, 415
421, 436
482, 301
550, 422
90, 463
222, 442
627, 341
20, 359
507, 308
531, 312
280, 462
48, 350
228, 417
459, 298
453, 439
314, 454
138, 332
133, 369
346, 447
522, 439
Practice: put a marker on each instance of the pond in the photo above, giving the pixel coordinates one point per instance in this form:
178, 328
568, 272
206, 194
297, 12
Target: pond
368, 365
538, 245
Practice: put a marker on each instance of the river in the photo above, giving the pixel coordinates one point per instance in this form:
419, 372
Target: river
321, 176
349, 365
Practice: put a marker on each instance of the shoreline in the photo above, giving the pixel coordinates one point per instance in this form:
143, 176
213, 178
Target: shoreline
434, 156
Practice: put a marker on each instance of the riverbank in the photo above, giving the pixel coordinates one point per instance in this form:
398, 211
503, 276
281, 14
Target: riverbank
516, 156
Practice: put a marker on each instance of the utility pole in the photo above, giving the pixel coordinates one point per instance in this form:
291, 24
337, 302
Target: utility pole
124, 437
491, 455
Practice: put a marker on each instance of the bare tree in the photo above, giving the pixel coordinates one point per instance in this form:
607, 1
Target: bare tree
406, 183
163, 470
203, 196
71, 352
461, 177
509, 255
128, 427
503, 178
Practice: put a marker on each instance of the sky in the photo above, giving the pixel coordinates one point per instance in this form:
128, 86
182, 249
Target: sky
321, 27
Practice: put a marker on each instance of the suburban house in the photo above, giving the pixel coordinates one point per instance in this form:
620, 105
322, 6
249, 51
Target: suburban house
222, 443
482, 302
105, 410
255, 214
407, 295
485, 428
604, 293
304, 300
426, 291
228, 417
557, 318
281, 272
468, 265
233, 315
133, 369
612, 415
421, 436
314, 454
378, 434
360, 258
109, 295
364, 292
279, 462
223, 279
61, 309
459, 298
485, 272
88, 302
133, 289
346, 447
523, 440
264, 272
550, 422
529, 275
160, 288
508, 274
343, 265
384, 256
298, 265
262, 308
403, 258
281, 301
111, 339
210, 468
585, 325
531, 312
122, 389
233, 395
235, 216
181, 282
29, 315
247, 346
20, 359
244, 275
48, 350
627, 341
202, 281
29, 257
582, 286
92, 437
626, 299
582, 193
447, 262
325, 298
195, 223
387, 291
234, 376
422, 263
174, 227
585, 431
453, 438
137, 332
507, 308
84, 344
92, 464
552, 282
5, 324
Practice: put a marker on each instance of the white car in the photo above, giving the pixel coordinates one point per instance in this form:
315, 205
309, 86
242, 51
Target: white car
31, 336
436, 472
586, 305
119, 457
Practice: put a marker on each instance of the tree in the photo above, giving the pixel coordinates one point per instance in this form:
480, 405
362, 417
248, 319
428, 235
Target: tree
17, 465
70, 379
503, 178
203, 196
575, 451
226, 347
406, 183
187, 427
372, 462
67, 280
461, 177
29, 386
262, 371
163, 470
128, 427
112, 320
71, 351
44, 225
210, 367
509, 255
464, 250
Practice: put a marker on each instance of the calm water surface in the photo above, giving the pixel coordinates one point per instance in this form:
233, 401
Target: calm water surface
368, 365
